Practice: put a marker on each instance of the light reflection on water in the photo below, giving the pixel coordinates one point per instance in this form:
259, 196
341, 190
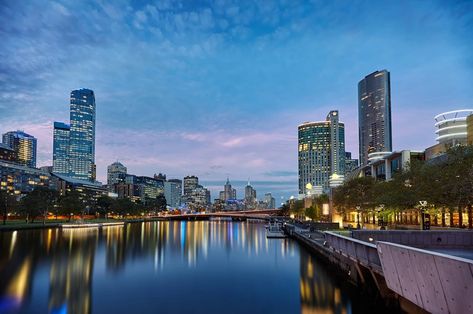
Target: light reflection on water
182, 267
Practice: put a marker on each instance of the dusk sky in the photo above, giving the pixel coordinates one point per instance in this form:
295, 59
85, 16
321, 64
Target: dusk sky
217, 88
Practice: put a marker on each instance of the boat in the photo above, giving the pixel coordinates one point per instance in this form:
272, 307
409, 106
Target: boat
274, 230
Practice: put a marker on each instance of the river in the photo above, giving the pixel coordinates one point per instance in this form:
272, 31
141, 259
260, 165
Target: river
167, 267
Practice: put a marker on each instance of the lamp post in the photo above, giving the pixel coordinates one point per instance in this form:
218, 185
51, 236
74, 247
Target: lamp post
425, 217
358, 225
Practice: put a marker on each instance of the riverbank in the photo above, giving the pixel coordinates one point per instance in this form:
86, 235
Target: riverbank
16, 225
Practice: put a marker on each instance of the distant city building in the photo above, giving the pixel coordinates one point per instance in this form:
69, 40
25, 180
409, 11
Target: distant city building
24, 146
451, 130
190, 184
350, 164
7, 153
374, 114
160, 176
61, 148
48, 169
116, 173
81, 156
173, 192
229, 193
270, 201
321, 152
250, 195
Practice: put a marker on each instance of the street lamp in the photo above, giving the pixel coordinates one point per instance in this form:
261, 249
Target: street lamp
358, 225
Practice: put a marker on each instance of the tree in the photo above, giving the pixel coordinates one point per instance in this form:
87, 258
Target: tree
39, 202
104, 204
311, 212
72, 204
7, 202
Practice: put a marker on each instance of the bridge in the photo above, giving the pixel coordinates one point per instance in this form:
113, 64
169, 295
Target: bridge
265, 214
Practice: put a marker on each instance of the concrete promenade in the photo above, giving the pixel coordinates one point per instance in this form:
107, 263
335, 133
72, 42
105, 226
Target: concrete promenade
415, 275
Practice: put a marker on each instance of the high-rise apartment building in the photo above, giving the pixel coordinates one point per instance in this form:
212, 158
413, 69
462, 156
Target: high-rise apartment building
81, 155
173, 192
270, 201
61, 148
374, 114
190, 184
321, 152
116, 173
24, 146
228, 192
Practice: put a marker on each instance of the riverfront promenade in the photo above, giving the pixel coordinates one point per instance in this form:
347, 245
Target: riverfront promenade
402, 266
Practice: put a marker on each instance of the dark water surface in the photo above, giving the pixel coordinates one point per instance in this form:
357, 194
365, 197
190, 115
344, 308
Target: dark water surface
166, 267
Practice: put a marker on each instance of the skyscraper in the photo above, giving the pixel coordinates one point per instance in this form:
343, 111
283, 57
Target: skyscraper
321, 152
24, 145
250, 194
61, 148
173, 192
82, 135
116, 173
374, 114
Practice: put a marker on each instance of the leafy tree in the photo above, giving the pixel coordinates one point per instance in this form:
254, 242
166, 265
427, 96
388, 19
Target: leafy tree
7, 202
72, 203
104, 204
311, 212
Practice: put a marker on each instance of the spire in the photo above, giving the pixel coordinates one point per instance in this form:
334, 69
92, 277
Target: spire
249, 181
228, 181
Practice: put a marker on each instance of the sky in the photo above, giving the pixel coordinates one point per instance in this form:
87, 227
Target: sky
218, 88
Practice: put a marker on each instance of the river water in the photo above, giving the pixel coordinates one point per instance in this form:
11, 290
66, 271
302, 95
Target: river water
167, 267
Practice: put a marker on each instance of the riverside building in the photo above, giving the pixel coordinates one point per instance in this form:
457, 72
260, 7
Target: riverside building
374, 115
321, 147
24, 146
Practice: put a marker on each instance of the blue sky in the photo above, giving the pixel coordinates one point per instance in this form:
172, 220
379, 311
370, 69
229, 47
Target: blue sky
217, 88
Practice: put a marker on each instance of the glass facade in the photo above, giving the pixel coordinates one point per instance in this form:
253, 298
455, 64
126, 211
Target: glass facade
321, 152
374, 114
61, 148
24, 145
82, 135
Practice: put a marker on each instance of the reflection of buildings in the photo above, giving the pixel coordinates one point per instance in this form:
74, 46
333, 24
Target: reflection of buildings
319, 294
71, 273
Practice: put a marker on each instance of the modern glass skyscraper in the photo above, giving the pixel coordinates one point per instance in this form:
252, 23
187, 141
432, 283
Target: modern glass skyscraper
321, 152
61, 148
82, 135
374, 114
24, 145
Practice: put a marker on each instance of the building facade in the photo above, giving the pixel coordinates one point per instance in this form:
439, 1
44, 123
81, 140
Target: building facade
116, 173
451, 130
81, 155
374, 114
269, 201
350, 163
19, 179
61, 148
321, 152
250, 196
173, 192
24, 146
7, 154
469, 129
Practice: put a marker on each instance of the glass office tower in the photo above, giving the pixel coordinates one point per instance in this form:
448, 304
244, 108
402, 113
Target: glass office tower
61, 148
24, 145
374, 114
82, 135
321, 152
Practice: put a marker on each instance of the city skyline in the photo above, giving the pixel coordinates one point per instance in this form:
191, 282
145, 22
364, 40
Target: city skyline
223, 97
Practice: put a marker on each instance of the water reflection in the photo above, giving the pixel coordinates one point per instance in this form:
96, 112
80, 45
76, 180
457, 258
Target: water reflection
115, 269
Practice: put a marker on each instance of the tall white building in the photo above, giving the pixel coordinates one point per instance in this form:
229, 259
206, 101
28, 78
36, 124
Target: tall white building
173, 192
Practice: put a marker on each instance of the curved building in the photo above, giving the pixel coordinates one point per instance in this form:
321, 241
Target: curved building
451, 127
321, 152
374, 114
